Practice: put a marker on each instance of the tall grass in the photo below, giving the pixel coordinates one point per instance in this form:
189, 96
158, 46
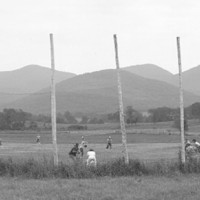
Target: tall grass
45, 169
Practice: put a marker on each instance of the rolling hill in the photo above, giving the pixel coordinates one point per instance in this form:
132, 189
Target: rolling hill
97, 93
191, 80
31, 78
152, 71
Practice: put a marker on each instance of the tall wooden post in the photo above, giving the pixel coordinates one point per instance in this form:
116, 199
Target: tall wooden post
53, 103
181, 103
121, 109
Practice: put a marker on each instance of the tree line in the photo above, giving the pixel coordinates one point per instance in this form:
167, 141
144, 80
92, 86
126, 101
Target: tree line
17, 119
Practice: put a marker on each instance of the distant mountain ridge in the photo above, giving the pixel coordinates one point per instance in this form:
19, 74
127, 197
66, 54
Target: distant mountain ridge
96, 92
28, 79
152, 71
191, 77
191, 80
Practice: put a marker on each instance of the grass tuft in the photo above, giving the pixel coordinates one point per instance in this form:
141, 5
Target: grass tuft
45, 169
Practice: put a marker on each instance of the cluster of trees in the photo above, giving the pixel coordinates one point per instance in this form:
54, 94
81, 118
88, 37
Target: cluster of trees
132, 116
68, 118
12, 119
169, 114
193, 111
161, 114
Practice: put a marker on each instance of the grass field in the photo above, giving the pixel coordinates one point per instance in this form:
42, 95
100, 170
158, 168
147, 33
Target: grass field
147, 144
124, 188
141, 151
21, 145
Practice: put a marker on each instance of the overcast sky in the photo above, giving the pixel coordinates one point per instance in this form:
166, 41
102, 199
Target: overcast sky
83, 33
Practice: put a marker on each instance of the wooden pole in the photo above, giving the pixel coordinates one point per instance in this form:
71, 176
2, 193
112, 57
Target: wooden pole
121, 109
181, 102
53, 103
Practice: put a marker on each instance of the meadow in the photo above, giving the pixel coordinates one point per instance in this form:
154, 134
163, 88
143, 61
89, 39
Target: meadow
143, 146
147, 143
122, 188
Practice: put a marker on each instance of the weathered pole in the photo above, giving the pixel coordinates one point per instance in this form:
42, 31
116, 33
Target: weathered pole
53, 103
181, 102
121, 109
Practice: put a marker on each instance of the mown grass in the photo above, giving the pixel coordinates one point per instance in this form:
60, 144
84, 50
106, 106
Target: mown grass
154, 179
120, 188
142, 151
97, 137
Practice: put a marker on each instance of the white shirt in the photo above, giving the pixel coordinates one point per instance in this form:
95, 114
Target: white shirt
197, 143
91, 154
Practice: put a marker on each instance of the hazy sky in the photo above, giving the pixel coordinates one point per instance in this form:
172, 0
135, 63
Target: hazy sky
83, 33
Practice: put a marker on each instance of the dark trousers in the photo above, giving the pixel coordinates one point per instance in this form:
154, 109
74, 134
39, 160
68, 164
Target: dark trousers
81, 151
109, 145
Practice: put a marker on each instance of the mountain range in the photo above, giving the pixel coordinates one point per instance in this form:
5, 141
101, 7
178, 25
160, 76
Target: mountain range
29, 79
190, 78
153, 72
144, 87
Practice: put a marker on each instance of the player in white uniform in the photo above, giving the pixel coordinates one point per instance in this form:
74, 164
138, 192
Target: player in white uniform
91, 160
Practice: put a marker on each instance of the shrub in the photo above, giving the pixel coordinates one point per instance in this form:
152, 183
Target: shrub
77, 127
115, 168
